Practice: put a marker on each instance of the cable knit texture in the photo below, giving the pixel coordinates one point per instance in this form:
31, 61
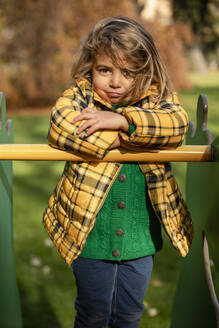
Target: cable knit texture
138, 222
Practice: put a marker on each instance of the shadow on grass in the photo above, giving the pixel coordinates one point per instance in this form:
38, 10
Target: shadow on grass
39, 314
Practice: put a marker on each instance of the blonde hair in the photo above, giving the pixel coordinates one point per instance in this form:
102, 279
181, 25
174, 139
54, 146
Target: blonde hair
120, 35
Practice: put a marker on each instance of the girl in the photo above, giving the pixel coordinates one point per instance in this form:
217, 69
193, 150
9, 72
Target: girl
104, 218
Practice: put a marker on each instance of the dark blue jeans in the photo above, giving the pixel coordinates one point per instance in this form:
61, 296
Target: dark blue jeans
110, 292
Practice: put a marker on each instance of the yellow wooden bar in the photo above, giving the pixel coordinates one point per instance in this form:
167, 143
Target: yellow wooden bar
43, 152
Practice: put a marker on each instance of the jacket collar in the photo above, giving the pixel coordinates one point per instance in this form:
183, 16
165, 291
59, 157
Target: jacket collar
86, 87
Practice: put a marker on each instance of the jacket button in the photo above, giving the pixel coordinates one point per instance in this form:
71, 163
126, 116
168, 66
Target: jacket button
121, 205
119, 232
116, 253
122, 178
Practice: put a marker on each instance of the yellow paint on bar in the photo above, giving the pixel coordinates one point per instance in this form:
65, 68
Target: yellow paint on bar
43, 152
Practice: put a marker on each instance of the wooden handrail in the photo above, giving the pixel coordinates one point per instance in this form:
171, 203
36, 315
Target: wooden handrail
43, 152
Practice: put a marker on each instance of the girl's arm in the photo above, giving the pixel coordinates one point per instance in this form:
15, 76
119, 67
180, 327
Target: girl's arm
63, 131
160, 126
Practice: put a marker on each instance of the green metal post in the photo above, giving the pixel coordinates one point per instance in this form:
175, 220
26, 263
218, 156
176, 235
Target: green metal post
10, 310
193, 305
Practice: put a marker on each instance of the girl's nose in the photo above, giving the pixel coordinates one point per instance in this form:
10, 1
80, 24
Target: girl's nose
115, 81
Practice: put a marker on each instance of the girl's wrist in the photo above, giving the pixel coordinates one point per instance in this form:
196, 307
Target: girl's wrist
124, 124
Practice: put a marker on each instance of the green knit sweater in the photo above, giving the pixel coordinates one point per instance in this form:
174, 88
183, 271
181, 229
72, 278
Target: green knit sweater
126, 226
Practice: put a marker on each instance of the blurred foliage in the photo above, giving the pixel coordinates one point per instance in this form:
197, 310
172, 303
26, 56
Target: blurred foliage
39, 39
203, 18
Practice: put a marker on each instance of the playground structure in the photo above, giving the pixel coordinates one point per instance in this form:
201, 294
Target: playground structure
195, 294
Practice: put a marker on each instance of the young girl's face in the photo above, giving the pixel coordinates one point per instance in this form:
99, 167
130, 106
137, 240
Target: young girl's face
112, 83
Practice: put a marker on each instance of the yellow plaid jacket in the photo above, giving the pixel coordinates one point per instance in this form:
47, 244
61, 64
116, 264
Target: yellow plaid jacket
71, 212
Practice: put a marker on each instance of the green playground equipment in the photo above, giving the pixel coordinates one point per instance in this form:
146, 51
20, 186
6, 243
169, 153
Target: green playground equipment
195, 303
10, 308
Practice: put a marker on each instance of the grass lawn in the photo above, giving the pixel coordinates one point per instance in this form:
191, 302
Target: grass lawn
46, 284
204, 84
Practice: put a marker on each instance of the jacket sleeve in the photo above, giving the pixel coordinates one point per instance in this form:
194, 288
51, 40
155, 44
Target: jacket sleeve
62, 133
160, 126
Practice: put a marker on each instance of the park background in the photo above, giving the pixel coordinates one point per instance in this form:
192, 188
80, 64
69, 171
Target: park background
38, 40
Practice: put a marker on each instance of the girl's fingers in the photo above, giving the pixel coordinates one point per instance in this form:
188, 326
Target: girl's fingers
92, 129
97, 120
85, 125
78, 118
82, 116
85, 114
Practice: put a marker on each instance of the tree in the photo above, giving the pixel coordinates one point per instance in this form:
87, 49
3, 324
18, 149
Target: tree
203, 18
39, 39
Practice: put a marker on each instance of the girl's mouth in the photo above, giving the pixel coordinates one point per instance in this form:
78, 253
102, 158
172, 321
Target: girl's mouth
114, 94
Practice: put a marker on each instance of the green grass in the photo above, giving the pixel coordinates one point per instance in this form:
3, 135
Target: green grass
207, 84
46, 284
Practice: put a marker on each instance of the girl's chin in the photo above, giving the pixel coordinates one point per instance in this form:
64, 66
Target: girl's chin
115, 102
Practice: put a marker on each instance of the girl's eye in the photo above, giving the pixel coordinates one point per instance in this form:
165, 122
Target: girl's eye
104, 70
128, 73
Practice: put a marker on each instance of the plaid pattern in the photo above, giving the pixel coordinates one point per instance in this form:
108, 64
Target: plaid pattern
62, 133
83, 187
156, 126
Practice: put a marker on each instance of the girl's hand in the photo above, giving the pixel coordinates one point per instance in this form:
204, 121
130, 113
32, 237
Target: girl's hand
100, 120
